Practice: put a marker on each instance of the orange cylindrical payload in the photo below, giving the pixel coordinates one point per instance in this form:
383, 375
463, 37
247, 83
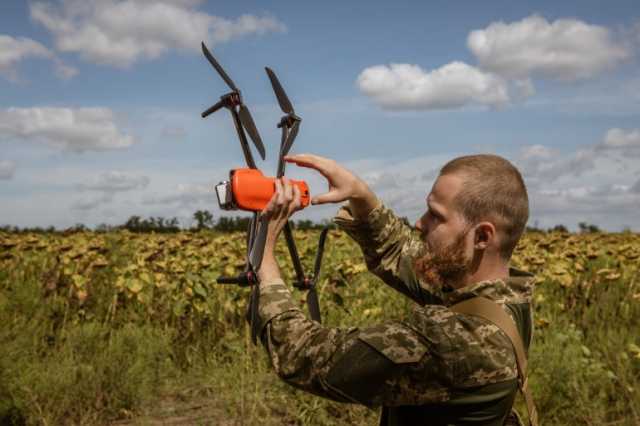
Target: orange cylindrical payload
251, 190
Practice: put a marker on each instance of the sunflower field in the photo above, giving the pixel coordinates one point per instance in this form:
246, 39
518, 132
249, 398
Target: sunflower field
124, 328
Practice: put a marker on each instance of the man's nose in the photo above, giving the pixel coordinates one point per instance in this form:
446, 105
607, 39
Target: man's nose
418, 224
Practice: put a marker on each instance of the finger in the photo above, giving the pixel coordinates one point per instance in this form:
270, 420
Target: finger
270, 207
287, 196
288, 190
311, 161
297, 203
328, 197
279, 193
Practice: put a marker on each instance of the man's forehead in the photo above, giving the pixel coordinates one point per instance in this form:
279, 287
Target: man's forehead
444, 189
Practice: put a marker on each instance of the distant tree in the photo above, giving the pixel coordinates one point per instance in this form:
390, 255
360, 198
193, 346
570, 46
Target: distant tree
559, 228
173, 225
204, 219
232, 224
305, 224
153, 224
78, 227
132, 224
586, 228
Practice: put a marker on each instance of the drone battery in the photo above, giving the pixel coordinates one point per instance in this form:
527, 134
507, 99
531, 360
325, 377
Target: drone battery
225, 196
251, 190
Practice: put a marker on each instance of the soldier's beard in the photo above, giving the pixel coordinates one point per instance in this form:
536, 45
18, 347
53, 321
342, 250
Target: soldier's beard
444, 266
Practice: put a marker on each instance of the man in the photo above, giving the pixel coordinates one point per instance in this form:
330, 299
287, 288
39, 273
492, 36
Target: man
435, 367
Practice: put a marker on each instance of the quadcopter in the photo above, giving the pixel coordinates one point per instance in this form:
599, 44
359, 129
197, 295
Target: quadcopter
249, 189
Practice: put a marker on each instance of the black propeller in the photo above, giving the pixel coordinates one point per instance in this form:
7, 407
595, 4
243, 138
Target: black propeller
231, 101
290, 123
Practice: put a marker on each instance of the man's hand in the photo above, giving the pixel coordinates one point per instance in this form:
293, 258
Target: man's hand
284, 202
343, 185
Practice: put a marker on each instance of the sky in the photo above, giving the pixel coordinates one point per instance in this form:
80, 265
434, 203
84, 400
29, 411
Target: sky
100, 102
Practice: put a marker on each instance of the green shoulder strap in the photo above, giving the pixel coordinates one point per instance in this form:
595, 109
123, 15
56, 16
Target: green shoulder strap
492, 312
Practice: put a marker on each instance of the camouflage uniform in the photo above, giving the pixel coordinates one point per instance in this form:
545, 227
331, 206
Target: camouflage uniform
434, 367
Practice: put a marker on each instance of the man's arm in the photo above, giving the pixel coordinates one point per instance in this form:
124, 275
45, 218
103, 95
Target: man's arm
389, 245
380, 365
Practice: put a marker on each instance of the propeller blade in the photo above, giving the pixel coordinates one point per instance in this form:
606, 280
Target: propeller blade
218, 68
313, 304
283, 100
213, 108
292, 136
247, 123
257, 248
318, 264
281, 163
243, 140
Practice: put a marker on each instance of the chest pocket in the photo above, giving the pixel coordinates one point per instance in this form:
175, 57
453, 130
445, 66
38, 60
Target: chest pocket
397, 343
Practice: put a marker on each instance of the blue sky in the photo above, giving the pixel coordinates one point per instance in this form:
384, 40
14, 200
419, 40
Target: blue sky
100, 101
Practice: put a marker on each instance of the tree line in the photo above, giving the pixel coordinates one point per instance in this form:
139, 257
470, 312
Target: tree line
202, 220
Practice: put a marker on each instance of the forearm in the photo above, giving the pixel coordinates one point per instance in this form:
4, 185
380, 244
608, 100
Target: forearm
389, 247
366, 366
300, 350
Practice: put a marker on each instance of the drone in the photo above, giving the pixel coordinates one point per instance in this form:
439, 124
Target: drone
249, 189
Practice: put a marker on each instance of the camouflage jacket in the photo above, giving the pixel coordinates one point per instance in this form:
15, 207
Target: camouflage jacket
433, 367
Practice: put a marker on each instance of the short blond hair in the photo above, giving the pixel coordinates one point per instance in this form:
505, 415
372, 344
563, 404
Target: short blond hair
492, 190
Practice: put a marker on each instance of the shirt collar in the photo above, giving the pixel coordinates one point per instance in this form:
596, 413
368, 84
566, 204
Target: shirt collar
517, 288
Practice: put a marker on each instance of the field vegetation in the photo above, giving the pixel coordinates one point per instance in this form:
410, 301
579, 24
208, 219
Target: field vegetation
130, 328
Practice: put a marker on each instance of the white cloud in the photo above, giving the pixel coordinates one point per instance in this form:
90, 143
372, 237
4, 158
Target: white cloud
116, 181
406, 86
565, 49
185, 195
108, 184
7, 169
14, 50
542, 165
625, 141
581, 186
608, 205
119, 33
80, 129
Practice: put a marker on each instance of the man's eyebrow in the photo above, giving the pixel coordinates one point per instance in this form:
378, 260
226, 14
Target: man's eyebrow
435, 210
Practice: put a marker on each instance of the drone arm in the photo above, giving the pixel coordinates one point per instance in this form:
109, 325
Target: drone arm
293, 252
213, 108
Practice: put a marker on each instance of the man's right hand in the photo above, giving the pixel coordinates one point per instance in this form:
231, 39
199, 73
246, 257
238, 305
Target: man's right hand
343, 185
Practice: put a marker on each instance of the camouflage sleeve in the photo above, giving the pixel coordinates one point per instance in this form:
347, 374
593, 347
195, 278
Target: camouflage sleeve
373, 366
390, 248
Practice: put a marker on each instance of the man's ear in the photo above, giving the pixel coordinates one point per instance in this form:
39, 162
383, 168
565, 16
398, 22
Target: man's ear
484, 235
